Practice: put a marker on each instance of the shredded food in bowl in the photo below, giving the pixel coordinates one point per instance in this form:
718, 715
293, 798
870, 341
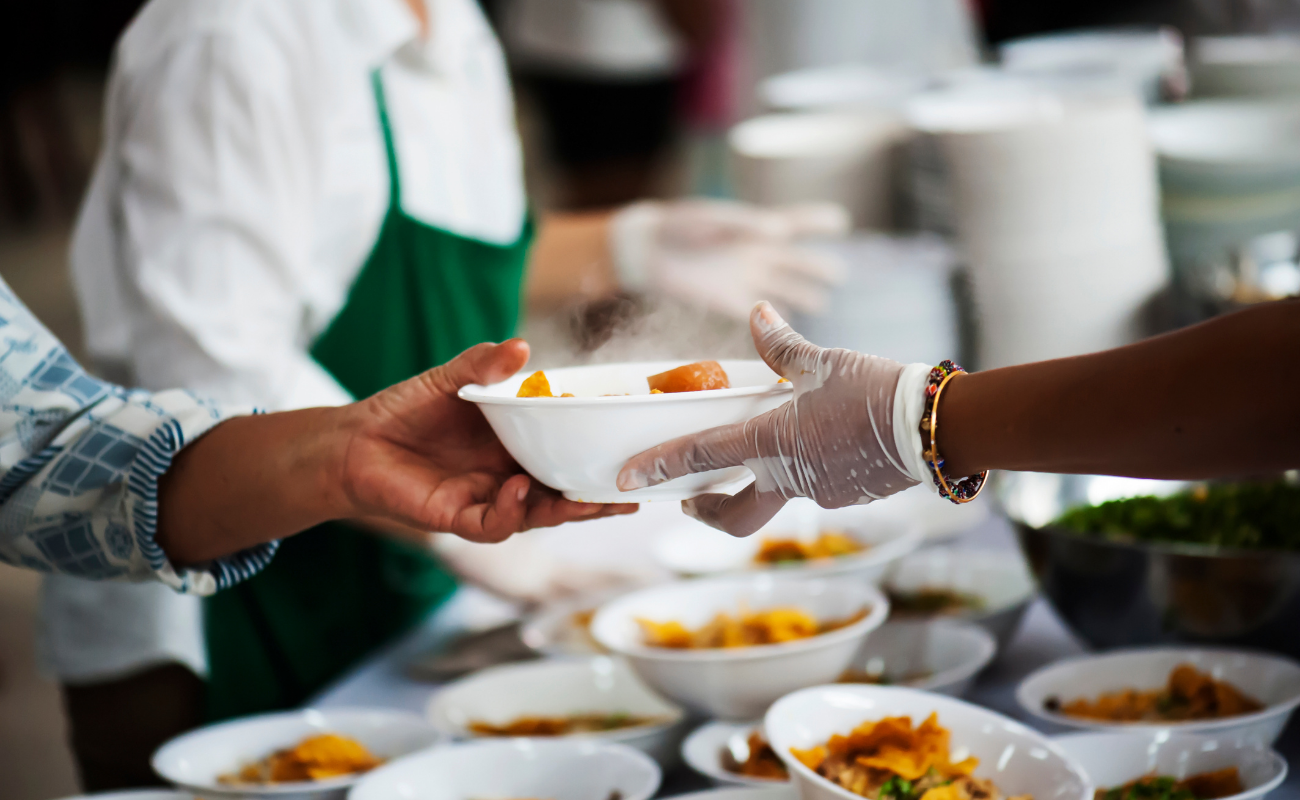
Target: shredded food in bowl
830, 544
761, 762
316, 758
1203, 786
1189, 695
746, 629
891, 760
562, 726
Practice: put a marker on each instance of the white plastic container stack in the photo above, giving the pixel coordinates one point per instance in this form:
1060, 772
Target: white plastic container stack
843, 157
1057, 214
1149, 61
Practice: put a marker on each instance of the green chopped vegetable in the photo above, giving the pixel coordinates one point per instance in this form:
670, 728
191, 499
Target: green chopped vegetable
897, 789
1246, 516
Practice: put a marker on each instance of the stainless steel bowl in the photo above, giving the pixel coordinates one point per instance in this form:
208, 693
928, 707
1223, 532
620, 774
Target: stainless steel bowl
1115, 594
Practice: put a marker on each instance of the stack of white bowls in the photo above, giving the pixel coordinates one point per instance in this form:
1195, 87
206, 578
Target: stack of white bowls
1239, 66
1147, 60
1057, 213
837, 156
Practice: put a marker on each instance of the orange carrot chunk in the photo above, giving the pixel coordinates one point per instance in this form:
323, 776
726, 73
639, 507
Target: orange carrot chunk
697, 377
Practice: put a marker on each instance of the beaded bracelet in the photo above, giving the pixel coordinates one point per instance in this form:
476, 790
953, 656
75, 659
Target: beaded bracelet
961, 490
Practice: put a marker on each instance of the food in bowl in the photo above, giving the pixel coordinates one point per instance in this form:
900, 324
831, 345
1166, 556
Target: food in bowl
880, 678
326, 755
889, 759
1189, 695
701, 376
1239, 516
1203, 786
761, 761
932, 600
529, 726
746, 629
829, 544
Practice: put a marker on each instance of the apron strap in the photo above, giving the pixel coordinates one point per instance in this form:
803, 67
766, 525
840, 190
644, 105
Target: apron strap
390, 150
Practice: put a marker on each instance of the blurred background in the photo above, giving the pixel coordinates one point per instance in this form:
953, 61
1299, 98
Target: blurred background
1026, 180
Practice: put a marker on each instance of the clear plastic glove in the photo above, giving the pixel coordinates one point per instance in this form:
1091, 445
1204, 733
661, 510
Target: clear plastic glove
726, 256
849, 436
522, 569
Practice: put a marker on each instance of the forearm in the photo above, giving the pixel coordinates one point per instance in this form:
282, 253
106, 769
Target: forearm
570, 259
252, 480
1212, 400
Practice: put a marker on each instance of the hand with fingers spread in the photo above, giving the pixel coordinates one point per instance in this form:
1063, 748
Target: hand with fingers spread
846, 438
725, 255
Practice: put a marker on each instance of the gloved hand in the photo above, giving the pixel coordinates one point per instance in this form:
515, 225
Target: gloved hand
726, 256
849, 436
521, 569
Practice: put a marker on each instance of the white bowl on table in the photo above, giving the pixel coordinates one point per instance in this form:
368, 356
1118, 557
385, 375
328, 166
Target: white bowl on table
937, 655
739, 683
695, 549
557, 630
703, 752
559, 769
1270, 679
1114, 759
192, 761
1000, 579
600, 685
577, 445
1016, 758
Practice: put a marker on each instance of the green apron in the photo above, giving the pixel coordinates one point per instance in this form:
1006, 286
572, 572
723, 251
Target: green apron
334, 594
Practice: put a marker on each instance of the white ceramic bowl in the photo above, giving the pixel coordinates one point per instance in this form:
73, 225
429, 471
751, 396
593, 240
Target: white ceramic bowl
578, 444
192, 761
938, 655
781, 792
695, 549
702, 752
554, 631
1271, 679
560, 688
739, 683
1114, 759
136, 794
559, 769
1000, 578
1017, 759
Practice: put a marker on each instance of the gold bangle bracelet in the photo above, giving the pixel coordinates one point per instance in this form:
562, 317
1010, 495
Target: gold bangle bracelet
946, 489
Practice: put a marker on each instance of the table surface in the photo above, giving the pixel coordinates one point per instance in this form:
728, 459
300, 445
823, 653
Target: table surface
382, 681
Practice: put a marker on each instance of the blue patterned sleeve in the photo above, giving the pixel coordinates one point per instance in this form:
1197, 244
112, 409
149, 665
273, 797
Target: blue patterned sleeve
80, 461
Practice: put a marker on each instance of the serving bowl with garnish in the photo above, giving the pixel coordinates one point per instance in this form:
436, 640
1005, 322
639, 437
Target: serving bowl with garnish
845, 742
992, 588
729, 647
1192, 691
311, 754
802, 540
516, 769
1128, 562
597, 698
734, 754
935, 655
578, 444
1181, 767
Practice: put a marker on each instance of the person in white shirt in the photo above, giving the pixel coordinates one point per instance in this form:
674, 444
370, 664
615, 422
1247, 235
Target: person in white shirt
297, 203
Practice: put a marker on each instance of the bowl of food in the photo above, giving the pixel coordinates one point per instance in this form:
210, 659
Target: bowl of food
936, 655
729, 647
562, 629
802, 540
1128, 766
734, 754
1128, 562
502, 769
310, 754
574, 428
1183, 690
892, 743
597, 698
991, 588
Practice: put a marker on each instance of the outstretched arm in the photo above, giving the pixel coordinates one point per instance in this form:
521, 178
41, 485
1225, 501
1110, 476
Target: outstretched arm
413, 455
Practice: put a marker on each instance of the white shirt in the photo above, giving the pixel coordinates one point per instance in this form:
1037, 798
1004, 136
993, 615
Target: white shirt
239, 190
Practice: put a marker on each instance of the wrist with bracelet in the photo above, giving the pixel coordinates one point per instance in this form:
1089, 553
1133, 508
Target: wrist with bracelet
958, 490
